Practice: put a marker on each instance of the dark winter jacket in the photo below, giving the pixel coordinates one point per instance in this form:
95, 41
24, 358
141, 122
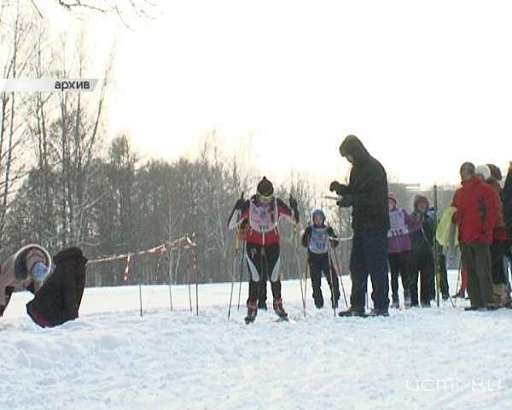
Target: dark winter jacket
507, 200
367, 191
307, 236
422, 239
59, 298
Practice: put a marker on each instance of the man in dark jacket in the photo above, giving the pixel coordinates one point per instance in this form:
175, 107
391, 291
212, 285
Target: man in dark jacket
367, 194
507, 200
58, 300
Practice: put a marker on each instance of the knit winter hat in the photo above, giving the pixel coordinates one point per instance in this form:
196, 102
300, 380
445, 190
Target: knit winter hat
483, 171
318, 212
265, 187
420, 198
392, 197
495, 172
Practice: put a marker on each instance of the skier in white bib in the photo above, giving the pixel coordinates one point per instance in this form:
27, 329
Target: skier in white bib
318, 238
259, 217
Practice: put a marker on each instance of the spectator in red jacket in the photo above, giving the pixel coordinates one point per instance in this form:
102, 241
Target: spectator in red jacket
500, 240
477, 212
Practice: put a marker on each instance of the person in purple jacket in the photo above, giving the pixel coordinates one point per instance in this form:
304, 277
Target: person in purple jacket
399, 249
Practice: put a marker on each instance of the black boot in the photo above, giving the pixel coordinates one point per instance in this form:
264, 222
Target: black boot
252, 311
334, 303
319, 301
278, 308
262, 304
396, 301
379, 312
353, 312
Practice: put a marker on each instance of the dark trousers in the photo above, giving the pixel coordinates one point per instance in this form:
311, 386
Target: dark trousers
369, 257
476, 260
422, 267
263, 263
318, 264
399, 266
498, 251
443, 275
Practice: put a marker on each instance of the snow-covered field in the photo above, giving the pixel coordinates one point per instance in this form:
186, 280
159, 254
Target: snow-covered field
111, 358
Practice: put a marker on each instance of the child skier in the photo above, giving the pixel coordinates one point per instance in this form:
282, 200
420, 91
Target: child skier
317, 238
261, 215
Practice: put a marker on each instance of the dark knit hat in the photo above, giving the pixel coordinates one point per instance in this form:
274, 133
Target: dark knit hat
495, 172
420, 198
265, 187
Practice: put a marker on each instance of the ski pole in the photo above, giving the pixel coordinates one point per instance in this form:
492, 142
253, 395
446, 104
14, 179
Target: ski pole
331, 268
242, 257
298, 270
233, 271
196, 271
436, 256
459, 273
170, 280
338, 266
189, 284
306, 276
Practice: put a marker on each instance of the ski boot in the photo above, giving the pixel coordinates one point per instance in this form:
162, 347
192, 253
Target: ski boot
396, 302
334, 304
460, 294
262, 305
319, 302
278, 308
352, 312
379, 312
252, 311
408, 303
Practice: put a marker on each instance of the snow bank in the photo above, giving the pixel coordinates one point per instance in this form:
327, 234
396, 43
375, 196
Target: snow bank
111, 358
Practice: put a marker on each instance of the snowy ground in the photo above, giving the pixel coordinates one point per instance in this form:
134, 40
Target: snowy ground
111, 358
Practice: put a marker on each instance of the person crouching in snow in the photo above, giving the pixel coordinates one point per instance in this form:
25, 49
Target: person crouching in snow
399, 249
261, 214
317, 238
59, 299
26, 269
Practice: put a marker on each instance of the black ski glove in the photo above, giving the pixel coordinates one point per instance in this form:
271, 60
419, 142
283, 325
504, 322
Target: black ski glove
340, 189
346, 201
240, 203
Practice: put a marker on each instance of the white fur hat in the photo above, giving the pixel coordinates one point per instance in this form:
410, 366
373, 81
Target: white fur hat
484, 171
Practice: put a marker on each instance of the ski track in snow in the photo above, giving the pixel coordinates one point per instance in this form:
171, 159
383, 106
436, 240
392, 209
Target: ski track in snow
111, 358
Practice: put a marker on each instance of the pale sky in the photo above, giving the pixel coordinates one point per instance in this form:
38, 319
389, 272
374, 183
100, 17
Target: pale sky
425, 84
